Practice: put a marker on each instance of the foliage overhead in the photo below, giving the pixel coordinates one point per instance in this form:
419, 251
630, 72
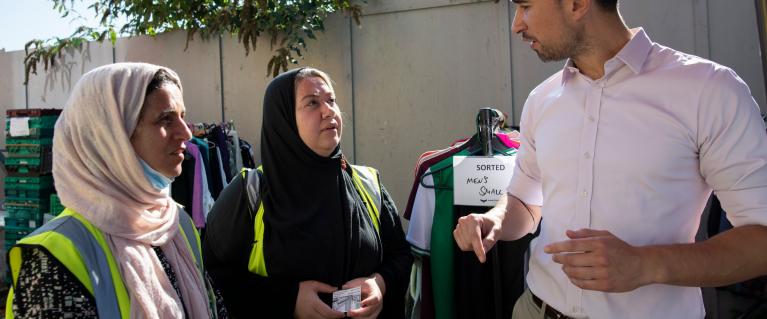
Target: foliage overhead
286, 22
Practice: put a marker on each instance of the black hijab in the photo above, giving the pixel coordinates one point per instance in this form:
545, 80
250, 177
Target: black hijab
316, 225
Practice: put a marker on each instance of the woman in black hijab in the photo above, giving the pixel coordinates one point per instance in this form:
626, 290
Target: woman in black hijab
278, 242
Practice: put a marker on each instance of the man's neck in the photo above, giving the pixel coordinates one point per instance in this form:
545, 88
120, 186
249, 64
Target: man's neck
605, 38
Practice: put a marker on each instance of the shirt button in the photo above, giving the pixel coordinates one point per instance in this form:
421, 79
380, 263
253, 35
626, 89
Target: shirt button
576, 309
591, 118
584, 194
586, 155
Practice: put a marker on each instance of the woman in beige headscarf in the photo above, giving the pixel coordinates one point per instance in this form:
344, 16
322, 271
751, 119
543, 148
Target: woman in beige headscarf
122, 248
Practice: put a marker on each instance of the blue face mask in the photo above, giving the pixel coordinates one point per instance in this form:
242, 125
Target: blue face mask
158, 180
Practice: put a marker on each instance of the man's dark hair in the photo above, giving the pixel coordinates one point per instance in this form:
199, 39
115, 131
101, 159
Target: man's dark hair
608, 5
160, 78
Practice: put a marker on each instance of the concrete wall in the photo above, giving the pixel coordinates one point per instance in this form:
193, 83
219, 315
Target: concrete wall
734, 41
419, 78
12, 90
198, 68
51, 89
245, 79
410, 79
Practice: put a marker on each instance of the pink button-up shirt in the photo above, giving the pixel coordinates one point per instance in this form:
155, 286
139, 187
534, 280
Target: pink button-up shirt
638, 153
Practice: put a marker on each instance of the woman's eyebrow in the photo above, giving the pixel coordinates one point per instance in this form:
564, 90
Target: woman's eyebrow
310, 95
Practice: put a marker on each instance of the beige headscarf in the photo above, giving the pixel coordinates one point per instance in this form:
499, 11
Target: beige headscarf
99, 175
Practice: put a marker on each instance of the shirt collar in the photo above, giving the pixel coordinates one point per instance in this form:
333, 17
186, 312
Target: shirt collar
633, 54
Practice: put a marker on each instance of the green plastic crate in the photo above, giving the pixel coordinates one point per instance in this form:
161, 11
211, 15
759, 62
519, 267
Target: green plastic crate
28, 148
17, 231
14, 237
26, 207
56, 207
24, 212
28, 165
23, 222
39, 126
28, 187
29, 182
31, 141
28, 193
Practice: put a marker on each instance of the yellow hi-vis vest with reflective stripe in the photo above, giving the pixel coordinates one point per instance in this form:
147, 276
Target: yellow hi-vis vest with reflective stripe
83, 250
365, 182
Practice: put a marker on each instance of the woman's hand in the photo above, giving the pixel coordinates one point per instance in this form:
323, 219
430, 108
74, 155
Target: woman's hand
372, 289
308, 302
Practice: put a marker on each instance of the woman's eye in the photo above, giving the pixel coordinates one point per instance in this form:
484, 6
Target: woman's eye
166, 120
332, 100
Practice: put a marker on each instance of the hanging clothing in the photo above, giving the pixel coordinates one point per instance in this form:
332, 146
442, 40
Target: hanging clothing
219, 137
455, 275
218, 179
247, 154
199, 180
429, 158
182, 187
236, 151
204, 147
197, 215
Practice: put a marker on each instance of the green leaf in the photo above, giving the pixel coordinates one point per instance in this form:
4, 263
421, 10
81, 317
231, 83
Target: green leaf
112, 36
287, 22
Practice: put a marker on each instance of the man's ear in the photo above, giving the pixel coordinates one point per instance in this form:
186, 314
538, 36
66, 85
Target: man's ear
579, 8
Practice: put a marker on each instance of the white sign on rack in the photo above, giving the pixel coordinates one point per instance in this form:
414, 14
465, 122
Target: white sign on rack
481, 180
19, 126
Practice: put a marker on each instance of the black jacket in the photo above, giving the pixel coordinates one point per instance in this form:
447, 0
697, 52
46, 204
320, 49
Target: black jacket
229, 239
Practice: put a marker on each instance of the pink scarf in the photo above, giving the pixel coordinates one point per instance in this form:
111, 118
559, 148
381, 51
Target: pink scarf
99, 176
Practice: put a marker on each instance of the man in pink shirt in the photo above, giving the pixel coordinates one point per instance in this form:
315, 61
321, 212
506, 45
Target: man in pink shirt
620, 152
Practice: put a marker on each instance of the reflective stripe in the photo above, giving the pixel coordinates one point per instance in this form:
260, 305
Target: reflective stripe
9, 305
187, 227
256, 262
93, 258
366, 182
120, 290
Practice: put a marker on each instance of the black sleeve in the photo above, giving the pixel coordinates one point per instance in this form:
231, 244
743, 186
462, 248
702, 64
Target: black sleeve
397, 259
226, 249
45, 288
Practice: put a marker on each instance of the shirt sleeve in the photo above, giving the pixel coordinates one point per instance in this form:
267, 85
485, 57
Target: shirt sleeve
733, 147
419, 228
397, 259
525, 183
226, 248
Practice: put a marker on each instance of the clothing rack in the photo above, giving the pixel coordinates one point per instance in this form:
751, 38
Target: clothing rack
214, 156
203, 128
449, 275
488, 120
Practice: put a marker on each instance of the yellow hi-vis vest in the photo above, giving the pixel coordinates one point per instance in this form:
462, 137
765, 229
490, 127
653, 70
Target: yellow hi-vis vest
83, 250
365, 182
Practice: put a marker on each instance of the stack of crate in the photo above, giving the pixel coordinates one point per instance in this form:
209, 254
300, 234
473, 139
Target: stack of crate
56, 207
29, 184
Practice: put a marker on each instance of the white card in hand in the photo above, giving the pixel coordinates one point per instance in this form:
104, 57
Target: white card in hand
347, 299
